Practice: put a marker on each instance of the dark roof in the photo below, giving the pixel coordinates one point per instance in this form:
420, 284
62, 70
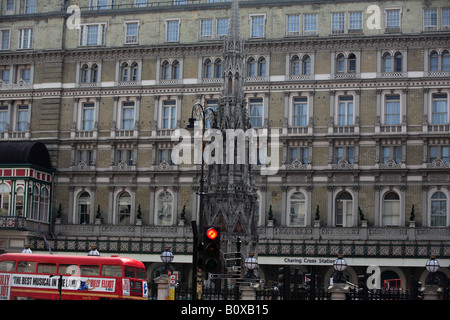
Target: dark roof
31, 153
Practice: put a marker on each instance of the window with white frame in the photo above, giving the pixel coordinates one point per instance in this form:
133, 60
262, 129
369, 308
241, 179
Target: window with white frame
392, 62
170, 70
4, 118
88, 116
21, 117
129, 71
89, 73
439, 108
256, 112
206, 28
128, 115
44, 204
300, 112
92, 34
439, 152
309, 24
296, 209
131, 32
337, 22
10, 5
393, 20
300, 65
257, 23
344, 209
293, 25
392, 115
84, 207
355, 22
256, 67
164, 208
140, 3
124, 208
439, 60
445, 20
438, 209
172, 30
101, 4
430, 19
30, 6
391, 209
222, 27
346, 63
5, 39
4, 199
345, 112
25, 38
169, 112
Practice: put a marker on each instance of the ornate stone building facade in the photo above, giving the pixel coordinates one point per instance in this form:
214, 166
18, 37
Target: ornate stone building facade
359, 94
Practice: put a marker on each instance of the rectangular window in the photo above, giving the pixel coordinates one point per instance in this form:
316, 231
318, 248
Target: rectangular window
298, 154
392, 153
3, 118
46, 268
22, 118
439, 152
222, 27
165, 155
430, 19
26, 266
140, 3
310, 24
169, 114
30, 6
172, 29
5, 73
446, 18
206, 30
92, 34
256, 112
345, 153
88, 116
300, 112
131, 32
345, 115
355, 21
112, 271
393, 19
10, 6
293, 25
4, 39
338, 23
392, 114
25, 38
257, 26
89, 270
128, 116
440, 110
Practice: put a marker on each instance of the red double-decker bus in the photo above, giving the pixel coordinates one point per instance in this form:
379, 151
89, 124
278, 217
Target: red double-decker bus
53, 277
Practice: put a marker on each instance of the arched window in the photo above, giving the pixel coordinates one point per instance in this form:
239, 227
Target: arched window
344, 209
164, 208
352, 62
44, 205
398, 61
438, 212
387, 59
129, 71
297, 209
124, 208
262, 67
176, 70
340, 63
207, 69
35, 211
84, 208
19, 201
218, 68
445, 61
391, 209
434, 61
306, 65
4, 198
252, 67
295, 66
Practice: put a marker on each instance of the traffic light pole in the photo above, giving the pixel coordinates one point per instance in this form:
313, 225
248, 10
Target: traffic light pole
194, 260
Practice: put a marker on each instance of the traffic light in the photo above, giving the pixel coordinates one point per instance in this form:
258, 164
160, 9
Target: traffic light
284, 282
211, 250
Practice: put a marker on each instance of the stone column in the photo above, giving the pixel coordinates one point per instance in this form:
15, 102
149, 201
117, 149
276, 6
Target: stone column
248, 293
338, 291
163, 288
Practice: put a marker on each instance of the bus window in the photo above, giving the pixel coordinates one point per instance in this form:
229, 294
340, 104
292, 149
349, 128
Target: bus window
46, 268
26, 266
89, 270
129, 272
8, 266
111, 271
69, 269
140, 273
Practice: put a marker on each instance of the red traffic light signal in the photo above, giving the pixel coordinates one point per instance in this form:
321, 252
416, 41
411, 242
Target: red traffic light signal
212, 233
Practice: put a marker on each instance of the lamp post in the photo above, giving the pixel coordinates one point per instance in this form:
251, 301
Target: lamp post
166, 258
251, 263
339, 265
432, 267
198, 111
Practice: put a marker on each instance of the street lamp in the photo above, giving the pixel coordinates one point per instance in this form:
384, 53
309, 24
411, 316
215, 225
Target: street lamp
251, 263
339, 265
204, 114
432, 267
166, 258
